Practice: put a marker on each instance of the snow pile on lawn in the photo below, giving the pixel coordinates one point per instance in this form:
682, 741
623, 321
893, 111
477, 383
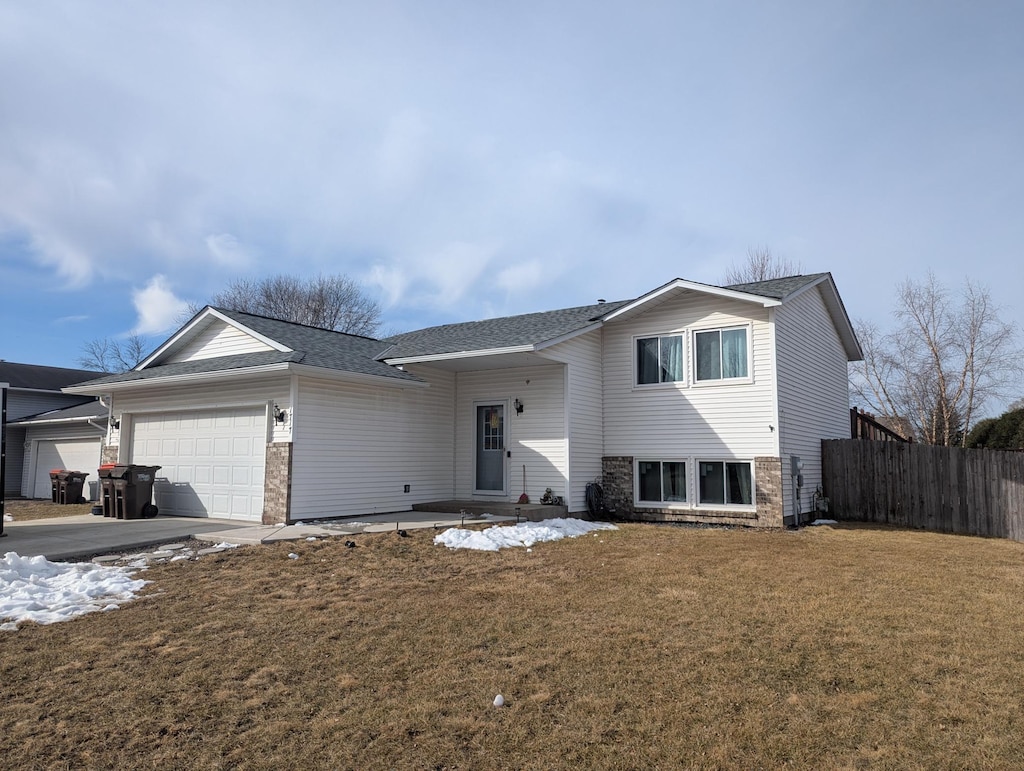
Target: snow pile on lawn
35, 589
523, 534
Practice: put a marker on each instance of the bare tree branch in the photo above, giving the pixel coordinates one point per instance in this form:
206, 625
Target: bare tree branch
112, 355
943, 362
329, 302
761, 265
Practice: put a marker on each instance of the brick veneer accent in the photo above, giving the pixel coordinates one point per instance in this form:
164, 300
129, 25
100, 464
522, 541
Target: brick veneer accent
768, 491
108, 454
617, 482
277, 484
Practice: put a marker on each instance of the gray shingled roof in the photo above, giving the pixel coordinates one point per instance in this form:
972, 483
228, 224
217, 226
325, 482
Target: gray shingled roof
310, 346
40, 378
316, 347
505, 332
777, 288
83, 411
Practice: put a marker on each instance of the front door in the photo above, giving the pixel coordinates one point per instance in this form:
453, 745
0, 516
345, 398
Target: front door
490, 449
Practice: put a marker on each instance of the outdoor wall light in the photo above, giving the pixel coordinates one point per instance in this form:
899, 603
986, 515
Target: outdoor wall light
114, 423
519, 406
280, 416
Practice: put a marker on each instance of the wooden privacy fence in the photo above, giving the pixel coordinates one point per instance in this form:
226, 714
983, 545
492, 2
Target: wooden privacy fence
946, 489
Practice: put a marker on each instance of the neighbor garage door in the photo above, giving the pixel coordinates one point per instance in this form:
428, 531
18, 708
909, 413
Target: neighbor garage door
72, 454
211, 461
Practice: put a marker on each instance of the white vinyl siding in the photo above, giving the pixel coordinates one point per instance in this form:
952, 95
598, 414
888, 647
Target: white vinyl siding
813, 388
357, 446
726, 419
585, 411
536, 438
217, 339
275, 389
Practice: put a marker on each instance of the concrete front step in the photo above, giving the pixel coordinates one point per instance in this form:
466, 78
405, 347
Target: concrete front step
533, 512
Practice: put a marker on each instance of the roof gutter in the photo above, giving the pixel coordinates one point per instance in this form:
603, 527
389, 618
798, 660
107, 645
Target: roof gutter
208, 377
460, 355
124, 385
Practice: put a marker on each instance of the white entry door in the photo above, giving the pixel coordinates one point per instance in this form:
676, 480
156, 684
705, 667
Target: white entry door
211, 461
490, 449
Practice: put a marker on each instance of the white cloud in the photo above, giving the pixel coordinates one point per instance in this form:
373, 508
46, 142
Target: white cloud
227, 250
157, 307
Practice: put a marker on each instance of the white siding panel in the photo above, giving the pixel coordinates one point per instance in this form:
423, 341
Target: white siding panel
274, 389
585, 410
813, 388
536, 438
218, 339
722, 420
357, 446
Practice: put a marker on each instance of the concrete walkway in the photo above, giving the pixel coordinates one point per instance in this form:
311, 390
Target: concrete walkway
87, 534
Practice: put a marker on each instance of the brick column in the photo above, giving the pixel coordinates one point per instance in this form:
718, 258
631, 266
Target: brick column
108, 454
617, 482
768, 492
277, 484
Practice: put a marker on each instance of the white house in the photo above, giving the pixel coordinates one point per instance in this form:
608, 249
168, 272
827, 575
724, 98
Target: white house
690, 403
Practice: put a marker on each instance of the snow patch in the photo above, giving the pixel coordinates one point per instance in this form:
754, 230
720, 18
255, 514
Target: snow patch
522, 534
35, 589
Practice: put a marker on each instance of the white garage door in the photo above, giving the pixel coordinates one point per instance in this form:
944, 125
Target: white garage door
212, 461
71, 454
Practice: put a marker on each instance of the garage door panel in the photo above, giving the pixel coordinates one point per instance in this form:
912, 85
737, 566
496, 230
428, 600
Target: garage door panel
72, 454
212, 461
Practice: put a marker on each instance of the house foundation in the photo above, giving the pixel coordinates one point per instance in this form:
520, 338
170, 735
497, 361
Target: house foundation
618, 485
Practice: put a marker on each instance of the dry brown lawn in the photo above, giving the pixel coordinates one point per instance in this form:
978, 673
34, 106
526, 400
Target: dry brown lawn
649, 647
34, 509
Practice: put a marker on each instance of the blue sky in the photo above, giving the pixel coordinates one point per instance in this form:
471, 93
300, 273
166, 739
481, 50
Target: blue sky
473, 159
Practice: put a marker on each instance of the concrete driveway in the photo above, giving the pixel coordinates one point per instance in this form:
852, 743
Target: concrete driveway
86, 535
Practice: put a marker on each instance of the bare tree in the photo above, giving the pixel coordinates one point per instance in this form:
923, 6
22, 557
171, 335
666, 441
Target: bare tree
329, 302
944, 360
761, 264
112, 355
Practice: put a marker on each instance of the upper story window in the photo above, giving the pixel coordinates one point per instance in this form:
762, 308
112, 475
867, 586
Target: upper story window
659, 359
721, 354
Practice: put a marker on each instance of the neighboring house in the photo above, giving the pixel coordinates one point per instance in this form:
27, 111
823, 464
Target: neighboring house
689, 403
33, 448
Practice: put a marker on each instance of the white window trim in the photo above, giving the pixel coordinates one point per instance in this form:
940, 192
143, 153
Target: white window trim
641, 503
722, 381
724, 506
672, 384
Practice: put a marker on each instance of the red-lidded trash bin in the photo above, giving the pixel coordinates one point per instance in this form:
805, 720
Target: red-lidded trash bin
106, 475
133, 491
55, 474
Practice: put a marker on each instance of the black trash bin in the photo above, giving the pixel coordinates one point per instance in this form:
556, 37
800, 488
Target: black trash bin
133, 491
55, 475
106, 475
69, 486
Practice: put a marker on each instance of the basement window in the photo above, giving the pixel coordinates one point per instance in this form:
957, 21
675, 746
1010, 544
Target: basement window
725, 483
661, 482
